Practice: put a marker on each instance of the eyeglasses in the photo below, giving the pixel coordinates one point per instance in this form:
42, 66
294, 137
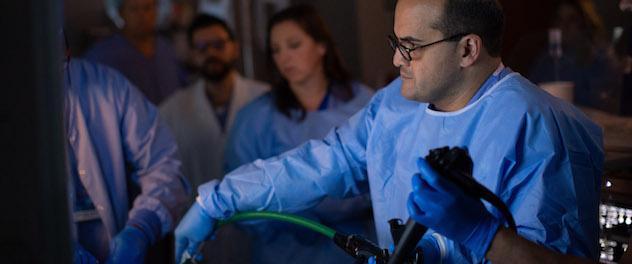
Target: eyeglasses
217, 44
396, 44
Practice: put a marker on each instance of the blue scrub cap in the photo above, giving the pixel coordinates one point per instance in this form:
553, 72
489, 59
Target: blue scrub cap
112, 10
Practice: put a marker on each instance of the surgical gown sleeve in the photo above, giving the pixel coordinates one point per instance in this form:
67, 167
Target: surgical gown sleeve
298, 179
152, 157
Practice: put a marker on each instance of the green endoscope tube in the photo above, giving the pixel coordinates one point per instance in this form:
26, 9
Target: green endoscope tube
302, 221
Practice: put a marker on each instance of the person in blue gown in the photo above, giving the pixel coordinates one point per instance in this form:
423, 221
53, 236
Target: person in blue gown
143, 56
314, 95
541, 155
127, 190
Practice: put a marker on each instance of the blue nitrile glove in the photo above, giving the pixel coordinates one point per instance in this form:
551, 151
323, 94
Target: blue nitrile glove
429, 250
442, 206
82, 256
196, 227
129, 246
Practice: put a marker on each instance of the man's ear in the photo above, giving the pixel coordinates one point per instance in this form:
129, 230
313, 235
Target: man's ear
470, 48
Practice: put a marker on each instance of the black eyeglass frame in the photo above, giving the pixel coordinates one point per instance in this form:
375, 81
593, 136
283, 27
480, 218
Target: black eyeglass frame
395, 43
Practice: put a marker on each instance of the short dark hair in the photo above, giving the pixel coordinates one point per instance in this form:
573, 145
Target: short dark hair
481, 17
203, 21
310, 21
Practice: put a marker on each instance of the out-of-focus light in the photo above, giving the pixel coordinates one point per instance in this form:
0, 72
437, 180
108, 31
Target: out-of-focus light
608, 184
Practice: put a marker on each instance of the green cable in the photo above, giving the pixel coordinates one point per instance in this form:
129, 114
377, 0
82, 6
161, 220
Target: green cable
302, 221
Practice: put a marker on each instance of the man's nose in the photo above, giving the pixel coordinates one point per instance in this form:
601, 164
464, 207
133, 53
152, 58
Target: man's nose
214, 51
398, 59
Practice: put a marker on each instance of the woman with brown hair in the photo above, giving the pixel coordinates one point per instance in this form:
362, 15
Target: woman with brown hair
314, 95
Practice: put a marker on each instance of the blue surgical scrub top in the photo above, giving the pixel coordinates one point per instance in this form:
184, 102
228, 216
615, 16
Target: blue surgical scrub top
262, 131
156, 77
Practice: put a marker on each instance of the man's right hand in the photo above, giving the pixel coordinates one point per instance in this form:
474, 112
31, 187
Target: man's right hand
195, 228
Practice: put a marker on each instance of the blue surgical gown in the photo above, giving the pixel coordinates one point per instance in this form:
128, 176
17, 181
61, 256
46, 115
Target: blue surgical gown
539, 154
262, 131
156, 77
117, 143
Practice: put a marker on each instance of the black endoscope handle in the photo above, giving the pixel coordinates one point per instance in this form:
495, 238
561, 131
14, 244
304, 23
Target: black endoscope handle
411, 236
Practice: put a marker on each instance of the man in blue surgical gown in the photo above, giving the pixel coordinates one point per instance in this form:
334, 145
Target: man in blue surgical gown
539, 154
126, 186
145, 58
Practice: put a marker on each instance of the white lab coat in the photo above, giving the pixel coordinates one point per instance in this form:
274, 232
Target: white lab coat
201, 142
198, 133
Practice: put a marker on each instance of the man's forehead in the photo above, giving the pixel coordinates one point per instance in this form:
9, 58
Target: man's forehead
415, 17
212, 31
